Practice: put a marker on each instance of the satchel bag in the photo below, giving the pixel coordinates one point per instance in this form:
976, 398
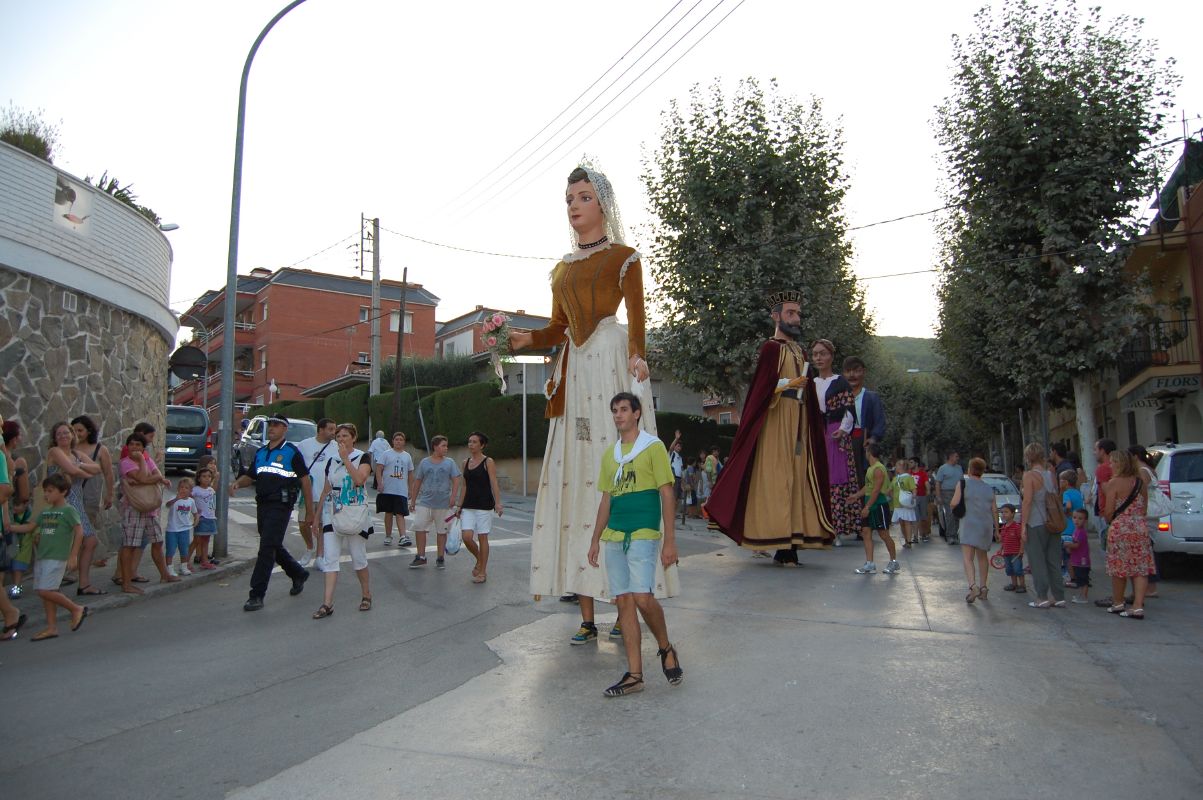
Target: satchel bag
352, 520
958, 510
144, 497
1159, 504
906, 497
1054, 511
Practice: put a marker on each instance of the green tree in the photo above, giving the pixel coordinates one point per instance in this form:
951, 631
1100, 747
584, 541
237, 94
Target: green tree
747, 195
1048, 137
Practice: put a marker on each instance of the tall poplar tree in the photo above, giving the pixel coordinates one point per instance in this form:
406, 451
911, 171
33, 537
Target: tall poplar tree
1049, 136
747, 194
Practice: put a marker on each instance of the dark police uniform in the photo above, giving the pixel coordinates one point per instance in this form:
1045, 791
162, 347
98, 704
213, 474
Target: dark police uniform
277, 473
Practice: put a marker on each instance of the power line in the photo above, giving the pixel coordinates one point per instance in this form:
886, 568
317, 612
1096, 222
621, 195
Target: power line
486, 200
464, 249
598, 80
638, 94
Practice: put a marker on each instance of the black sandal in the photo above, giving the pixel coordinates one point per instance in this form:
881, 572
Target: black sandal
674, 674
629, 684
323, 611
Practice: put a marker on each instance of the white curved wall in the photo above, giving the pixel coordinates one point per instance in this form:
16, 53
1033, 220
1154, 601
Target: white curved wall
116, 255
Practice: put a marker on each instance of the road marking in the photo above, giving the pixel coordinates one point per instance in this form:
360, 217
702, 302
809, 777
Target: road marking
405, 551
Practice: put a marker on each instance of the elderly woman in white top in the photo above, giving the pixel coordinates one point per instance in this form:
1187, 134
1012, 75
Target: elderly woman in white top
346, 474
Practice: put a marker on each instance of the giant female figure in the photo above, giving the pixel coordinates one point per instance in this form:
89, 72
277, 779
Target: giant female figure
597, 358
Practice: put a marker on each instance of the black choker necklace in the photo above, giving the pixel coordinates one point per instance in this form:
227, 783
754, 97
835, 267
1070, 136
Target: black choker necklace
591, 245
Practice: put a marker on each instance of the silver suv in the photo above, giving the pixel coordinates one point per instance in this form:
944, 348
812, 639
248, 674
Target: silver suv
254, 436
1179, 469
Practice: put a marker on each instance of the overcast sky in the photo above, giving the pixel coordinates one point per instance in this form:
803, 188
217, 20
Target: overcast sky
403, 110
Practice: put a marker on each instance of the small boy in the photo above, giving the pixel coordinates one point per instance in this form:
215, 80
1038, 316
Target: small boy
56, 549
1012, 550
395, 477
182, 517
1079, 557
436, 481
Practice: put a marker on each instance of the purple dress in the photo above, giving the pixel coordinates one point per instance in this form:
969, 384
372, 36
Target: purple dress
838, 400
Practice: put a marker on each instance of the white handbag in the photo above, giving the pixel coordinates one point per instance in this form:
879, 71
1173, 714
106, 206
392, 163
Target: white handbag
1159, 504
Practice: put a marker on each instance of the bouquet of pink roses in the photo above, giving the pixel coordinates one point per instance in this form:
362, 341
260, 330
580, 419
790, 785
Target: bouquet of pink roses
496, 338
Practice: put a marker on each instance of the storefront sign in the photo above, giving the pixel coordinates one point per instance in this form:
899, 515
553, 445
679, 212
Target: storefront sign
1155, 391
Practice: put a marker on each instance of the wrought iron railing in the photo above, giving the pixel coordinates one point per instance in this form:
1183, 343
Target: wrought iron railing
1160, 344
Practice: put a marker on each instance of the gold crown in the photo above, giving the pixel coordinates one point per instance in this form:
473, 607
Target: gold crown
787, 296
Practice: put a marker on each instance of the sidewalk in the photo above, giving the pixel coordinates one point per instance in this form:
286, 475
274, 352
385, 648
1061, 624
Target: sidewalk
243, 545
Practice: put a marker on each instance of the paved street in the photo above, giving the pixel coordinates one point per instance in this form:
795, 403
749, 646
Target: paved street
810, 682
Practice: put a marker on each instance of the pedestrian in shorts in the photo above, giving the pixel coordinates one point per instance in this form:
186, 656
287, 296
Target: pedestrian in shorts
636, 482
436, 481
57, 545
395, 477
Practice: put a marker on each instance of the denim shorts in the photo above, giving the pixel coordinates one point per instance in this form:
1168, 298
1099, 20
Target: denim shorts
1013, 565
633, 571
206, 527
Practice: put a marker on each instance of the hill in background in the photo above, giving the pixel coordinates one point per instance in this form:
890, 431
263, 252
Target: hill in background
909, 352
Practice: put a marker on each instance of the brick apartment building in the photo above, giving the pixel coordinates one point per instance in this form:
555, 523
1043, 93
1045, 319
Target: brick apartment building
300, 328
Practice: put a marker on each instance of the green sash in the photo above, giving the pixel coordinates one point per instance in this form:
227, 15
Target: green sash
634, 511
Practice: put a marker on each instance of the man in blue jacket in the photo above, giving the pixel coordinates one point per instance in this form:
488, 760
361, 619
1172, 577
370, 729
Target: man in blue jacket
870, 423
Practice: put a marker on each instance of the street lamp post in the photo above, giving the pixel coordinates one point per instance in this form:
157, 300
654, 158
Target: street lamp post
524, 360
225, 432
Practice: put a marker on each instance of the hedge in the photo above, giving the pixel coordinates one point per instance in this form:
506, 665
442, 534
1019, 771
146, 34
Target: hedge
350, 405
313, 409
381, 408
459, 411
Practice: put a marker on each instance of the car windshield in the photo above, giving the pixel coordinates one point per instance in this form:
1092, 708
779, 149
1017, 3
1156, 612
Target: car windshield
1000, 485
182, 420
299, 430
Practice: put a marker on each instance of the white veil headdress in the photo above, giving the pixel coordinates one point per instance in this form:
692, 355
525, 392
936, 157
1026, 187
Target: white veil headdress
609, 205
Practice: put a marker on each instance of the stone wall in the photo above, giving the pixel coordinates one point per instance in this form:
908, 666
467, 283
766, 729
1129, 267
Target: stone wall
55, 365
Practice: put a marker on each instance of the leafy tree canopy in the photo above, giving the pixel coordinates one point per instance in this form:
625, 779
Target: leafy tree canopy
1049, 136
747, 194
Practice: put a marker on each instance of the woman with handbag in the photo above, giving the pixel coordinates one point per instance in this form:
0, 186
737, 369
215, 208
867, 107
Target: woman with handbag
1159, 504
1129, 548
979, 527
1041, 534
347, 518
141, 495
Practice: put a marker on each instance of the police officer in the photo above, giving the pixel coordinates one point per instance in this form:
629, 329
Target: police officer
279, 476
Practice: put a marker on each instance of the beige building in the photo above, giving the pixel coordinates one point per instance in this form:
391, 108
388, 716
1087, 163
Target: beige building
1153, 394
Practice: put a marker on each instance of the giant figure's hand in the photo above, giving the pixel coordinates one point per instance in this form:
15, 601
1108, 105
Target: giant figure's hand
519, 340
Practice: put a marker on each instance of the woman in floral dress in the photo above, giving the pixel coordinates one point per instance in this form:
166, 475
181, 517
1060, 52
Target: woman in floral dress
1129, 548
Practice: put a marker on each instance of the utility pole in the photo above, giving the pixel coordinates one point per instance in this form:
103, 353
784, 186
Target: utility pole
375, 313
400, 352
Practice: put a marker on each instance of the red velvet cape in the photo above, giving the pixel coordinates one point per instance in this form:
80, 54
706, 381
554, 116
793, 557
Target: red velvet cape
729, 497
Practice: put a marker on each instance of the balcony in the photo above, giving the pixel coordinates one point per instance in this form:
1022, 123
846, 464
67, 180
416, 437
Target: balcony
211, 340
1161, 344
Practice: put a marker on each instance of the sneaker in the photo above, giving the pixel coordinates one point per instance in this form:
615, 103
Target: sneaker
419, 561
892, 567
1080, 601
253, 604
308, 559
569, 598
587, 633
868, 568
171, 571
839, 542
925, 539
388, 540
615, 631
439, 563
183, 570
405, 541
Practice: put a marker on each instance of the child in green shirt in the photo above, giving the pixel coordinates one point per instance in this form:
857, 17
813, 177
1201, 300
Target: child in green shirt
57, 538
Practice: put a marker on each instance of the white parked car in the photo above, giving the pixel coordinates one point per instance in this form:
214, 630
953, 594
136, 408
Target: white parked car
1179, 469
1005, 491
